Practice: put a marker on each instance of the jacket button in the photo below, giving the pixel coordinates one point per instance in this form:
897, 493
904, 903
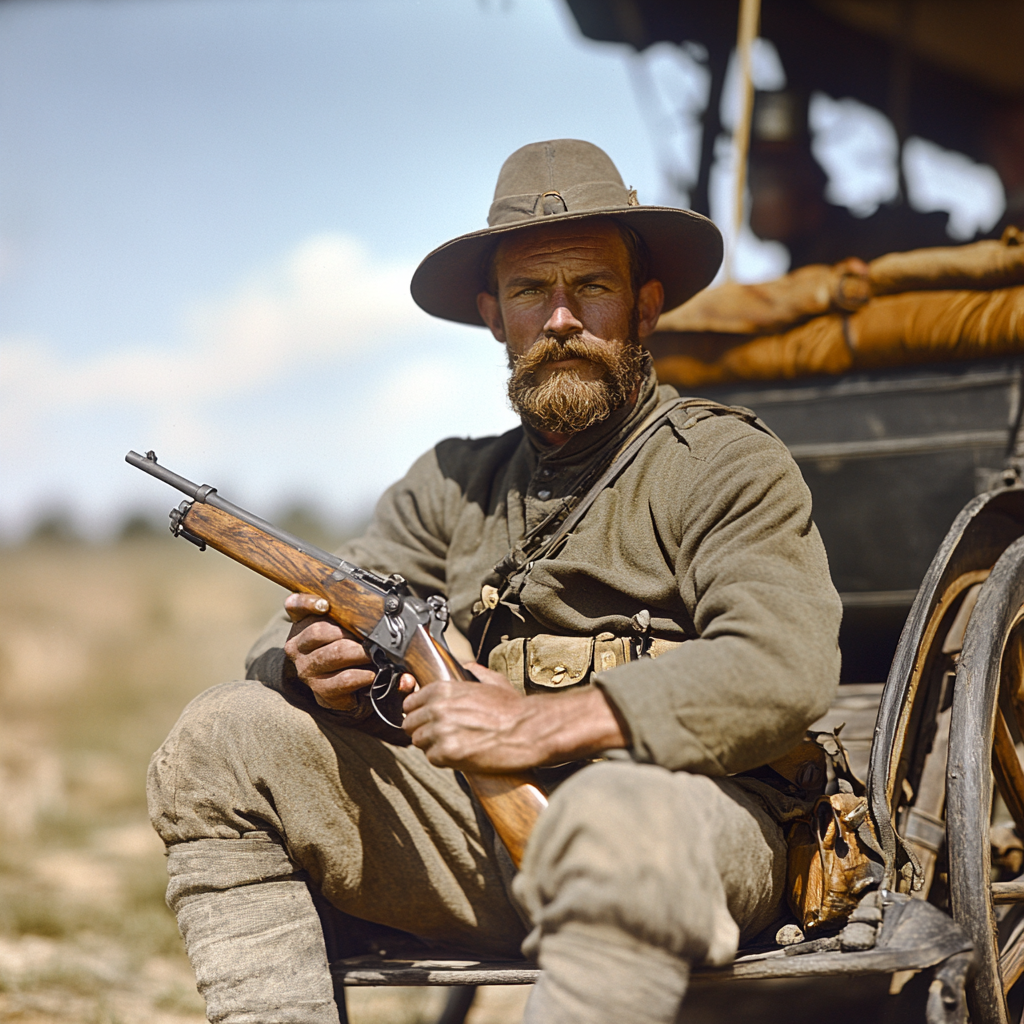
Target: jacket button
544, 495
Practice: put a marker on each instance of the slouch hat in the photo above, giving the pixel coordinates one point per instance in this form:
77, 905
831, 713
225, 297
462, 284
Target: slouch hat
566, 180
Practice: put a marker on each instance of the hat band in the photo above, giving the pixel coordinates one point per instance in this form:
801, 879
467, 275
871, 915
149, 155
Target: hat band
583, 198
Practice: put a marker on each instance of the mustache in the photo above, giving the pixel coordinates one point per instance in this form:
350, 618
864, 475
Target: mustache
554, 350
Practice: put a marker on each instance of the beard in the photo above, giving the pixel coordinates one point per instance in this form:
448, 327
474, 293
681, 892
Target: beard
564, 402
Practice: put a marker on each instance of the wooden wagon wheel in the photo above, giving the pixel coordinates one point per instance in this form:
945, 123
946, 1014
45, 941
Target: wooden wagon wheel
916, 779
906, 773
987, 717
907, 770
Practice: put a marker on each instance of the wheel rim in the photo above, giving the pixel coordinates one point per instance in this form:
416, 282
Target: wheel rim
986, 709
905, 725
916, 781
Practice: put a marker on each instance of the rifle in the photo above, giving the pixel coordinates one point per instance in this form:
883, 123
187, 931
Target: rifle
400, 631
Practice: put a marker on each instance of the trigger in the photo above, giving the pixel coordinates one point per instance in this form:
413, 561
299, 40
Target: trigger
384, 685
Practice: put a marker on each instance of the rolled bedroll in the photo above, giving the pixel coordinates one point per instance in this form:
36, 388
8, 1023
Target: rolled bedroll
929, 305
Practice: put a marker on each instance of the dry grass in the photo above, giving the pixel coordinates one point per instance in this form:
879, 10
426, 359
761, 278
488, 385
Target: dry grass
100, 648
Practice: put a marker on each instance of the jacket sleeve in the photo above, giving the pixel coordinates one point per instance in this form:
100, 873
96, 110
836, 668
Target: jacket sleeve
753, 574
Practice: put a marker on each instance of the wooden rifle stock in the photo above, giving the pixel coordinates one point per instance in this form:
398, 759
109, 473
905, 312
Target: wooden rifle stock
512, 802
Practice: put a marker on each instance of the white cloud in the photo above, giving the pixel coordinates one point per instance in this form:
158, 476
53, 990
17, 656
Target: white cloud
320, 376
673, 88
753, 259
941, 179
858, 147
328, 299
766, 73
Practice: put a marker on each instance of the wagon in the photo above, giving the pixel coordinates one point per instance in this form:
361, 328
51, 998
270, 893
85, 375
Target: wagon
916, 481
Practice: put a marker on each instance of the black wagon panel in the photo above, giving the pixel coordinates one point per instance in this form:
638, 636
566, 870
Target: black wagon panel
890, 457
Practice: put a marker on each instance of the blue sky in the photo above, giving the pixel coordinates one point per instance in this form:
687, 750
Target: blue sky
210, 211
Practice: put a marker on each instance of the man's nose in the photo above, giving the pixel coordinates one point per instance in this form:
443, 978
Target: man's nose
562, 322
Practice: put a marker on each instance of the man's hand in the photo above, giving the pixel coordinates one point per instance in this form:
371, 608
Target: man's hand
489, 727
328, 659
475, 726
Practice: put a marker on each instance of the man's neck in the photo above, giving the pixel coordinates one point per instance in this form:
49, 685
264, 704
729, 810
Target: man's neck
554, 439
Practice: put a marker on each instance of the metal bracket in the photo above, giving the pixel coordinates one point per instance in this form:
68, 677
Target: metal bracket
178, 530
388, 640
439, 617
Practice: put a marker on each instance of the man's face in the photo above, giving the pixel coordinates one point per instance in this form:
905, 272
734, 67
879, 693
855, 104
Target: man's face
566, 312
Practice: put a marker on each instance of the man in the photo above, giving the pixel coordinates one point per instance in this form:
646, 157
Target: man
282, 797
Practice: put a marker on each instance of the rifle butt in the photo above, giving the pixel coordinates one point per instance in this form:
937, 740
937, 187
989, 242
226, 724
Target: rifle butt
513, 803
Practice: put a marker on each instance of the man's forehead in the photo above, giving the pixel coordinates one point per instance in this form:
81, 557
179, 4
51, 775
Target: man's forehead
591, 240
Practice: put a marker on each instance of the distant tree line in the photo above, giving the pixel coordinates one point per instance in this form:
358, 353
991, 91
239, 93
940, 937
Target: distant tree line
59, 526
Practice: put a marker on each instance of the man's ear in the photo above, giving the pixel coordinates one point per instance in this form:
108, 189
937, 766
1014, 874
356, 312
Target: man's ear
490, 312
649, 303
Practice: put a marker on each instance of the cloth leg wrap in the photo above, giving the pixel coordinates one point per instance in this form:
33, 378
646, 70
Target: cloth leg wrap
587, 980
251, 931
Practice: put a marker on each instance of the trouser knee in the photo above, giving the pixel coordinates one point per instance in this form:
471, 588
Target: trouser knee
636, 851
210, 777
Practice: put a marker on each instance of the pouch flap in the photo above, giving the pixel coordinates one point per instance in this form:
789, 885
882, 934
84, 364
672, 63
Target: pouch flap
658, 646
555, 662
610, 651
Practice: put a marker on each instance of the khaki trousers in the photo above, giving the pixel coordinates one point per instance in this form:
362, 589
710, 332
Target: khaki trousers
633, 874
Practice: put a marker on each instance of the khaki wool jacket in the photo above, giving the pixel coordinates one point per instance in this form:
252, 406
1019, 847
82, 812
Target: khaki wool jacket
709, 529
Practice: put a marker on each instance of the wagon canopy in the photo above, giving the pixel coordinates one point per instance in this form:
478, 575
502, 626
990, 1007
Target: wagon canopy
943, 70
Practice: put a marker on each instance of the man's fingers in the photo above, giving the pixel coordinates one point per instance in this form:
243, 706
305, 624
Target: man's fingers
414, 719
485, 675
338, 691
322, 633
300, 606
333, 683
419, 698
331, 659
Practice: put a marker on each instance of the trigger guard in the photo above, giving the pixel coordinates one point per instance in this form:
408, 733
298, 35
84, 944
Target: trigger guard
388, 674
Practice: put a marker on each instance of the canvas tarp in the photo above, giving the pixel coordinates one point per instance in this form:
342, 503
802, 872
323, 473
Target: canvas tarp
961, 302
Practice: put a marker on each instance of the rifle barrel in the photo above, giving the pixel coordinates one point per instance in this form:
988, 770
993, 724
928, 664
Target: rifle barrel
205, 493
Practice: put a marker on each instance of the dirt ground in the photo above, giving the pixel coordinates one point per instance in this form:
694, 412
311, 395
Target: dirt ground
100, 649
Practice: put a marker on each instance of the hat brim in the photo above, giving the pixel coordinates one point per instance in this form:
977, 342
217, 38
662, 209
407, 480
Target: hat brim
685, 248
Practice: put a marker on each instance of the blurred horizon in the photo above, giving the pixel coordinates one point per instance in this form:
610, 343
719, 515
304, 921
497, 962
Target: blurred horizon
211, 210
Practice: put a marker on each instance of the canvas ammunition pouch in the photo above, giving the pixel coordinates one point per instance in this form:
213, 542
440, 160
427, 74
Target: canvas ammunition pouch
546, 664
834, 854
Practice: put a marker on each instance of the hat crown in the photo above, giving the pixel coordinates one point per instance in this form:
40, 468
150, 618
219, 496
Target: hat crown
560, 176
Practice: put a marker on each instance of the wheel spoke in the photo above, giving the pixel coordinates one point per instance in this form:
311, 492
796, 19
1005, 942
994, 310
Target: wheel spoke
1011, 961
1012, 671
1008, 892
1008, 772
